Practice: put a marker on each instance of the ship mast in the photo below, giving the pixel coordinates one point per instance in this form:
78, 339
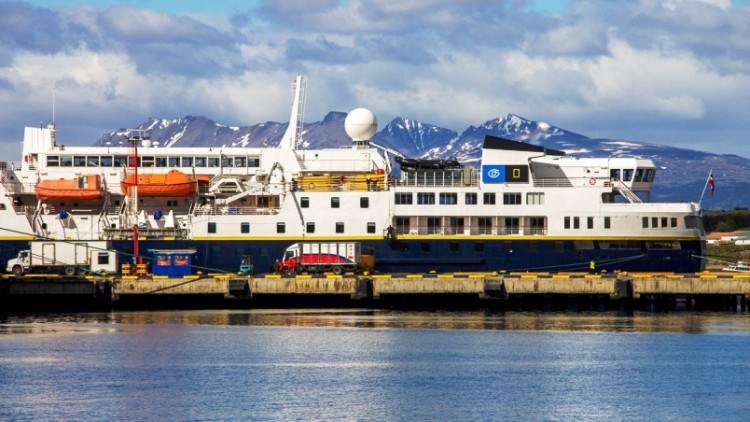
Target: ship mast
134, 137
293, 135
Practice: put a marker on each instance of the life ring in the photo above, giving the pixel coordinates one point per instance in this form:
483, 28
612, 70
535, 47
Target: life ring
592, 182
311, 186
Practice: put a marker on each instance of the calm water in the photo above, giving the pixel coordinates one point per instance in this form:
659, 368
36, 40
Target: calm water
375, 365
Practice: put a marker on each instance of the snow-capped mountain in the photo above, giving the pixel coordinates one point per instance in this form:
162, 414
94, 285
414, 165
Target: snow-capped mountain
681, 173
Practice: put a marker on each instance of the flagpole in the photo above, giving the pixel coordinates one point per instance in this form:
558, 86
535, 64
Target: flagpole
705, 186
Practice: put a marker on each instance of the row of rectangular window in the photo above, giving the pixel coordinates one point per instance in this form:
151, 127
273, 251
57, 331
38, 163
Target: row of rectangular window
470, 198
666, 222
281, 227
149, 161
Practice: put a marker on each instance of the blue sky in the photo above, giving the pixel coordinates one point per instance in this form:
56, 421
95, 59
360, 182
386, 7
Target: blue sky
672, 72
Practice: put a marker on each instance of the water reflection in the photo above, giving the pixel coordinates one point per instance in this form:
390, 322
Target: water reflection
678, 322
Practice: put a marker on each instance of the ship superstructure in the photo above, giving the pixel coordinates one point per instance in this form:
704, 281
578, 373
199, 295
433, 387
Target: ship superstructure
523, 207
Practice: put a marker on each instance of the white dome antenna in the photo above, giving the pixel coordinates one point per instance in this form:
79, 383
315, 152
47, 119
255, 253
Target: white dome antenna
361, 125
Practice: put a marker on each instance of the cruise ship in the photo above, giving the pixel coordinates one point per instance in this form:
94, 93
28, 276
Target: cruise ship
521, 208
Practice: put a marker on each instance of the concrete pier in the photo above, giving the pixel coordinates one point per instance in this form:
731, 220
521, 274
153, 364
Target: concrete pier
492, 288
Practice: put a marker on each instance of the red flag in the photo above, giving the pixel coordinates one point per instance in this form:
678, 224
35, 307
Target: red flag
710, 182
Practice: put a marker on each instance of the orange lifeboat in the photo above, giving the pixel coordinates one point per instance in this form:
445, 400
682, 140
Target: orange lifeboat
83, 188
174, 184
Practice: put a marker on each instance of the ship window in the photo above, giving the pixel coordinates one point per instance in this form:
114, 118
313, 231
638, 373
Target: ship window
424, 247
93, 161
339, 227
511, 225
200, 161
457, 225
488, 198
485, 225
425, 198
535, 198
213, 161
664, 222
106, 161
227, 161
160, 161
187, 161
66, 161
448, 198
583, 244
619, 244
566, 222
512, 198
638, 175
627, 175
280, 227
244, 227
673, 222
576, 223
370, 227
364, 202
433, 225
147, 161
53, 161
644, 222
614, 173
454, 247
335, 202
649, 176
102, 258
404, 247
304, 202
79, 161
402, 225
607, 223
120, 161
212, 227
174, 161
310, 227
479, 247
403, 198
590, 222
470, 198
240, 161
536, 225
253, 162
654, 222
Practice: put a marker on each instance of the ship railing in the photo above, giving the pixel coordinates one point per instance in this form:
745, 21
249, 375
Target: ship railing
471, 230
438, 181
236, 211
552, 182
123, 233
312, 165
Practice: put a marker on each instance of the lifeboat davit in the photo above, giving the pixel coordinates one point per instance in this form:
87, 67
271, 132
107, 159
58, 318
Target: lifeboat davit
83, 188
174, 184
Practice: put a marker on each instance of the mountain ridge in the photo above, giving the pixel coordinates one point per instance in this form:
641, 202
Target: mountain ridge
681, 173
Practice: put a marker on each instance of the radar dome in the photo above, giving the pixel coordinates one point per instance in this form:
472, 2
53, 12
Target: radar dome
361, 124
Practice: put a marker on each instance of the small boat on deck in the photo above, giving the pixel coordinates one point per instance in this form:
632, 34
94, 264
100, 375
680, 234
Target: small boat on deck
173, 184
83, 188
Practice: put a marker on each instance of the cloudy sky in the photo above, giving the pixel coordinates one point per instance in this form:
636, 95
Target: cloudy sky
673, 72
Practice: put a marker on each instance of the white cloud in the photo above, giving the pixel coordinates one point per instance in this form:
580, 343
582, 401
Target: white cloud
656, 71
